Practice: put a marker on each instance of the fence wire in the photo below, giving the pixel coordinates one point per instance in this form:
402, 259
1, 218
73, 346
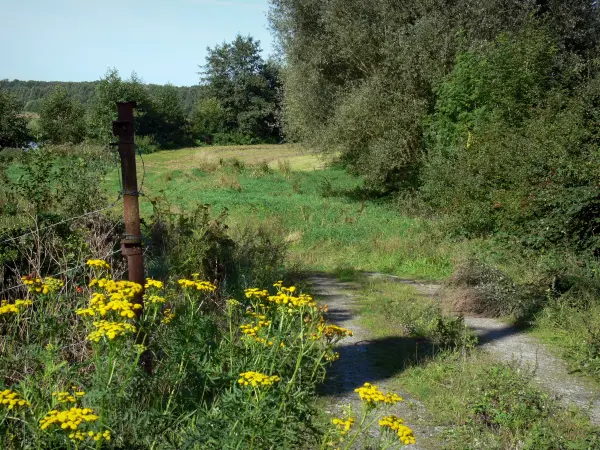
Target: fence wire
71, 269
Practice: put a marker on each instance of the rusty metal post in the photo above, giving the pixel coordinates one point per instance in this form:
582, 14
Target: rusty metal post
131, 244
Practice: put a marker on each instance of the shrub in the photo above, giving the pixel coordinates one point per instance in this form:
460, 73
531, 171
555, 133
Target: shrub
13, 127
62, 119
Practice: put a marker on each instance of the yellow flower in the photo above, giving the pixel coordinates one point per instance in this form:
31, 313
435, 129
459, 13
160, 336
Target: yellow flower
42, 286
256, 293
12, 399
371, 395
98, 264
69, 419
14, 308
257, 379
150, 283
155, 299
333, 332
199, 285
168, 315
394, 423
342, 425
111, 330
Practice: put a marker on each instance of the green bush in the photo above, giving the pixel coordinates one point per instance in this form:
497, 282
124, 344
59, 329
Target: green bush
515, 153
13, 127
62, 119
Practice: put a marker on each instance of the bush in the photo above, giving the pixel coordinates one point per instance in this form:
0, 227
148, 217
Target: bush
13, 127
515, 154
62, 119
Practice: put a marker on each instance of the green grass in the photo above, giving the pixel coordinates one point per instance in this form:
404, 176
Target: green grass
324, 233
479, 402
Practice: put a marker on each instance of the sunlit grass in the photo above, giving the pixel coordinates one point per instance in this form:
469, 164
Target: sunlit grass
323, 232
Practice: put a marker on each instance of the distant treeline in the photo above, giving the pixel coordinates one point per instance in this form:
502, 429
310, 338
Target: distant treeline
237, 101
31, 93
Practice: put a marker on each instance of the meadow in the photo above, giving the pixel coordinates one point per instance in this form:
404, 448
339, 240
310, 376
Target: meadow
320, 211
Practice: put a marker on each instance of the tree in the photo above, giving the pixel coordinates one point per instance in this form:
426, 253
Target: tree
208, 118
62, 119
103, 110
245, 85
13, 127
166, 119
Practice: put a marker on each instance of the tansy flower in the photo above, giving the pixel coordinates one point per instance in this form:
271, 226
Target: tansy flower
394, 423
14, 308
257, 379
69, 419
150, 283
98, 264
111, 330
12, 400
342, 425
199, 285
371, 395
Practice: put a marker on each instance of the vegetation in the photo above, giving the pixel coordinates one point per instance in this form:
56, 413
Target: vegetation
13, 127
481, 115
62, 119
242, 91
238, 102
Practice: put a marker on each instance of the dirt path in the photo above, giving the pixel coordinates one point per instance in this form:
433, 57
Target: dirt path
355, 366
510, 344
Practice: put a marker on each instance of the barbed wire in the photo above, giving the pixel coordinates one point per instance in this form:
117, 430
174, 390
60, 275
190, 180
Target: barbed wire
60, 222
60, 273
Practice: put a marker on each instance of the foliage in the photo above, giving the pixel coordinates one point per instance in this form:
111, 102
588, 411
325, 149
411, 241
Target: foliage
191, 371
110, 90
167, 122
31, 93
13, 128
62, 119
515, 153
245, 86
208, 118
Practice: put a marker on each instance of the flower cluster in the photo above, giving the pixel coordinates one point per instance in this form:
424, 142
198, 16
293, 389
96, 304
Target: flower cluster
118, 303
11, 399
98, 264
333, 332
110, 329
252, 330
127, 289
168, 315
371, 395
199, 285
42, 286
81, 436
69, 419
396, 424
256, 293
257, 379
283, 298
68, 397
150, 283
13, 308
154, 299
342, 425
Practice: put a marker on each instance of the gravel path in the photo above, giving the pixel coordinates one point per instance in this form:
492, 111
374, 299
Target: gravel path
509, 344
355, 366
505, 342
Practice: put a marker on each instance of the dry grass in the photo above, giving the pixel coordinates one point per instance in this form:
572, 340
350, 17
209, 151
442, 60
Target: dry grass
208, 159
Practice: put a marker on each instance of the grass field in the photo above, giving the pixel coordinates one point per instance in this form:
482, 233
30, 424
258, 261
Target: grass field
288, 192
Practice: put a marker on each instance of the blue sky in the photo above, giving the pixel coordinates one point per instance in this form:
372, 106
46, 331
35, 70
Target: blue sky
163, 41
